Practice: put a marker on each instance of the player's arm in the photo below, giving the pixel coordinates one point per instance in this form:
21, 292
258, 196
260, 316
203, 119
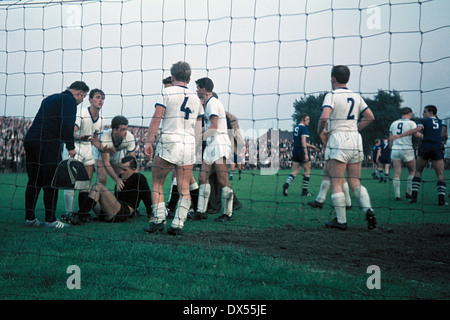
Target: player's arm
409, 132
444, 134
77, 136
153, 129
391, 140
72, 152
68, 116
110, 170
214, 120
198, 130
324, 135
418, 135
132, 147
305, 147
103, 148
132, 154
309, 145
367, 118
323, 120
95, 142
378, 155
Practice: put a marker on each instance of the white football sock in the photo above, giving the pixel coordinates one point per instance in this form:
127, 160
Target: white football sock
409, 184
193, 186
159, 212
345, 189
181, 212
338, 200
324, 187
227, 201
363, 197
203, 197
69, 198
396, 184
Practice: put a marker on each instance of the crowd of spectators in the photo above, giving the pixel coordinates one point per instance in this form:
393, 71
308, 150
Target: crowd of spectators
12, 156
286, 147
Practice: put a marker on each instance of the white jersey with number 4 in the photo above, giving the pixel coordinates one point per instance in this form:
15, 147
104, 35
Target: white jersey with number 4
177, 142
182, 109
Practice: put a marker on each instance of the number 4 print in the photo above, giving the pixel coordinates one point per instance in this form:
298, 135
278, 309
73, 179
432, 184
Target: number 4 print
184, 109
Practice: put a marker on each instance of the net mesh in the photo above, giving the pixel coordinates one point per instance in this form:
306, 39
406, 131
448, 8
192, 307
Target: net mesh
262, 55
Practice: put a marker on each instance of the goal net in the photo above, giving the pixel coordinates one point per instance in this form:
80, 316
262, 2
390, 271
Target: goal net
263, 56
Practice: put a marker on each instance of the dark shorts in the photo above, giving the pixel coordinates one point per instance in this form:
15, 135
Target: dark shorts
298, 155
428, 151
121, 216
385, 160
374, 156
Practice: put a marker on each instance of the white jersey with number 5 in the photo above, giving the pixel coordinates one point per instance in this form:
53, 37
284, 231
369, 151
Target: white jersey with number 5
182, 109
347, 106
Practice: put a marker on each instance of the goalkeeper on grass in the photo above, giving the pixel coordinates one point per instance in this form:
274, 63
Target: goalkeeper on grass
120, 205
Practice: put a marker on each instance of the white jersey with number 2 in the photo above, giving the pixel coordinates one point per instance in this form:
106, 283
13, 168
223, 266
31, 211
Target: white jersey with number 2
347, 106
344, 143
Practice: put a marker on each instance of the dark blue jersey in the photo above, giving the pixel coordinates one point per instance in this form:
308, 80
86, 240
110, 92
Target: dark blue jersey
55, 120
432, 130
299, 131
375, 149
385, 152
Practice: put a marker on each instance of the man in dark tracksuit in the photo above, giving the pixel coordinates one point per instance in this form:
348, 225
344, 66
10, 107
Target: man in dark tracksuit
52, 126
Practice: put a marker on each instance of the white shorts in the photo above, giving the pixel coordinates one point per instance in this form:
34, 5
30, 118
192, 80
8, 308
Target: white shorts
345, 146
217, 147
447, 150
405, 155
176, 149
84, 153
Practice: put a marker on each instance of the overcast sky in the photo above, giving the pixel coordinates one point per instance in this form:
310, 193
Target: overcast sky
261, 54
